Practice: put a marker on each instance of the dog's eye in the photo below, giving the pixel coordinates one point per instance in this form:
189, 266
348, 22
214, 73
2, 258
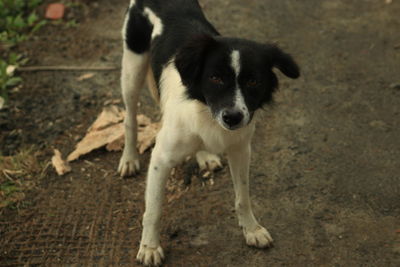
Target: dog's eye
216, 80
252, 83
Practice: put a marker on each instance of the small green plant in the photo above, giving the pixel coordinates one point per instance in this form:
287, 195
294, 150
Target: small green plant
18, 21
7, 78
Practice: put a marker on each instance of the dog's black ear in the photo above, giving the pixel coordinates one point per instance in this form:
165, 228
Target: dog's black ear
190, 58
284, 62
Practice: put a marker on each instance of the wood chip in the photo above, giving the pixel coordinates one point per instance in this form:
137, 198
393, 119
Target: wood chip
62, 167
85, 76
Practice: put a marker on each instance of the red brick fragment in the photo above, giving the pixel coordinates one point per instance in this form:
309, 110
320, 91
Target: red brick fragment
55, 11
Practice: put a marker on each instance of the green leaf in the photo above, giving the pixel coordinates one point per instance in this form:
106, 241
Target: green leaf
38, 25
34, 3
32, 18
13, 81
19, 22
12, 59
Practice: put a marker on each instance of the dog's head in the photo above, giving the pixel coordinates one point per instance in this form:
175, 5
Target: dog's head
233, 77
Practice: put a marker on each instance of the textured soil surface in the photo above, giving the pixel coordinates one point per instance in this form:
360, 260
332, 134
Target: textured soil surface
325, 165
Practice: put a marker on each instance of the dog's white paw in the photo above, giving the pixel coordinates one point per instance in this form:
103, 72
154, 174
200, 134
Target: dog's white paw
259, 238
128, 165
208, 161
150, 256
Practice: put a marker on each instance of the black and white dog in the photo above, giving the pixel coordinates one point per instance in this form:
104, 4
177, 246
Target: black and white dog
210, 89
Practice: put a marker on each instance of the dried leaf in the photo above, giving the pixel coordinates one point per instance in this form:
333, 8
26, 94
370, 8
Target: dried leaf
116, 145
62, 167
110, 115
112, 101
108, 131
143, 120
147, 136
96, 139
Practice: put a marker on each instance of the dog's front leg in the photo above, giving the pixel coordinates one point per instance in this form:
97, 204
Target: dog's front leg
169, 150
239, 161
150, 251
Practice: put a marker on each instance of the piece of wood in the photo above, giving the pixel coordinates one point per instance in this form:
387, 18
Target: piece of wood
67, 68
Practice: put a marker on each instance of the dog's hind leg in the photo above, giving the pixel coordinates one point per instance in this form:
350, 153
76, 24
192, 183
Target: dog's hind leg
239, 161
208, 161
135, 62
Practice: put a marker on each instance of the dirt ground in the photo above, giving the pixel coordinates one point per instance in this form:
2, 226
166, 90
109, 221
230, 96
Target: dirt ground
325, 165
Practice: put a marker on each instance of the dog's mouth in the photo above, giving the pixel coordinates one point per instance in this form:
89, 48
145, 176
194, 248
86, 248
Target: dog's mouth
229, 128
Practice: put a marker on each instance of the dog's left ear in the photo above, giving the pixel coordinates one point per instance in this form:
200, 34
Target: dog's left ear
190, 58
284, 62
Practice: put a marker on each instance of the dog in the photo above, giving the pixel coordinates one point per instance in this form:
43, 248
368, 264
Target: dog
210, 89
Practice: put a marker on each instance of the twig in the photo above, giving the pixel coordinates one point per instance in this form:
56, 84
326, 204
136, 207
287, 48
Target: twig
12, 172
66, 68
7, 176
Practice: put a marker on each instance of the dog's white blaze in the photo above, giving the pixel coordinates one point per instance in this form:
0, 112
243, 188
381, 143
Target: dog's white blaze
133, 2
240, 104
156, 21
235, 62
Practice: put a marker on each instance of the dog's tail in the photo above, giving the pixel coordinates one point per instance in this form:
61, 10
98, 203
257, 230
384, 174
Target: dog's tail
152, 85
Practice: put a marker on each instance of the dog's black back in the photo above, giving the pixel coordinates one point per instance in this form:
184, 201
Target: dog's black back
179, 25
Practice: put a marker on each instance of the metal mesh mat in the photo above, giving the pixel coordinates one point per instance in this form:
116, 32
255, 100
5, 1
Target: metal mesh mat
82, 224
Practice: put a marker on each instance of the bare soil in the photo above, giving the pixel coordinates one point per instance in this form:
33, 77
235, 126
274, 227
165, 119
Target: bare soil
325, 167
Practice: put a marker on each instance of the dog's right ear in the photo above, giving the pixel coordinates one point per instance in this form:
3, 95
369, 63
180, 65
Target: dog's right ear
189, 60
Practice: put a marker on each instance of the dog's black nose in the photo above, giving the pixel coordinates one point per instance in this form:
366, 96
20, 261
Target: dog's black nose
232, 117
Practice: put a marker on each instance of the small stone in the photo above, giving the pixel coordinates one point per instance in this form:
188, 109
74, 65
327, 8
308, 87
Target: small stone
10, 70
378, 125
395, 86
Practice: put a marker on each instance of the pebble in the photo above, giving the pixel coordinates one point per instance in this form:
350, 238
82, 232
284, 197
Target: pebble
379, 125
395, 86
